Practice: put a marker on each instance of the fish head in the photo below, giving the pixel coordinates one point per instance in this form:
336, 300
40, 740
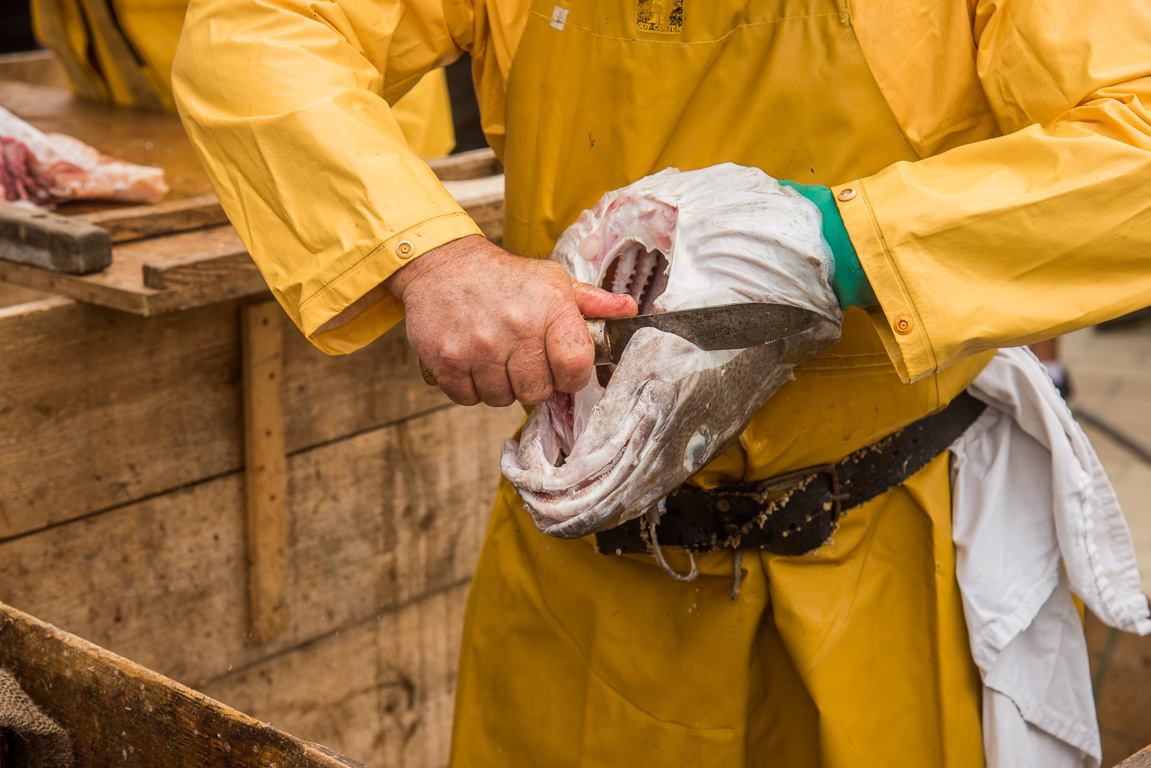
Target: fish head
593, 459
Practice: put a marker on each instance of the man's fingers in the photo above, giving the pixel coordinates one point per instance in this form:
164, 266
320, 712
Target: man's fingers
458, 387
596, 302
491, 381
530, 374
570, 352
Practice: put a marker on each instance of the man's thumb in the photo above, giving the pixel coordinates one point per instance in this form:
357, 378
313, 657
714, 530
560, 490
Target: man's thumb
596, 302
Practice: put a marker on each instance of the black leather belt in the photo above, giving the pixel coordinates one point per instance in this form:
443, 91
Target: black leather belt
755, 515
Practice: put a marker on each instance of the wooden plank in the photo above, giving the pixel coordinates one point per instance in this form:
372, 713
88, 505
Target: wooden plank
53, 242
102, 289
162, 581
34, 68
189, 269
474, 164
483, 199
1141, 759
132, 408
380, 691
11, 295
265, 470
119, 713
121, 285
1120, 744
135, 407
419, 657
141, 221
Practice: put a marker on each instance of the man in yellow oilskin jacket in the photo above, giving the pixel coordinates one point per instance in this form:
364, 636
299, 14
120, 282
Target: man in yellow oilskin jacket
121, 51
990, 161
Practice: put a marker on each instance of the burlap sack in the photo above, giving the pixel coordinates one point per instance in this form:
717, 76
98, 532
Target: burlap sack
33, 739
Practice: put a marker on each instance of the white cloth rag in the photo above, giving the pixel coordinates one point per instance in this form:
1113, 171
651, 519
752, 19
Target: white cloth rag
1034, 519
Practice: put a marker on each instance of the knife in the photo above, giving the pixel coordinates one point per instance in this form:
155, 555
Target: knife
726, 326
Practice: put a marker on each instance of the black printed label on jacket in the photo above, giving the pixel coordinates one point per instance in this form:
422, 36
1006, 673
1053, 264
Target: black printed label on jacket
659, 16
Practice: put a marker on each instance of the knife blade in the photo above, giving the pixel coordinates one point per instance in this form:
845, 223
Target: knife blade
726, 326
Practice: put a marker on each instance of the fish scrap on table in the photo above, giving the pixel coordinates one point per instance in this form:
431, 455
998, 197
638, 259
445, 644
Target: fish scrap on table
592, 460
40, 170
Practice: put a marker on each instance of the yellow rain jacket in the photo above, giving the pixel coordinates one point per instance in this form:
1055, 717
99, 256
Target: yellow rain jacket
993, 163
121, 51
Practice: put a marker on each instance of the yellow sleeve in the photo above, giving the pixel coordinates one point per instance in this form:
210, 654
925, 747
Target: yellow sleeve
425, 117
1035, 233
287, 104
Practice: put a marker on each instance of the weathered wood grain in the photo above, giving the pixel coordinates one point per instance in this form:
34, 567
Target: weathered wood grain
136, 222
483, 199
99, 408
474, 164
11, 295
34, 68
48, 241
162, 581
121, 285
120, 714
380, 691
191, 268
419, 658
1141, 759
136, 407
265, 470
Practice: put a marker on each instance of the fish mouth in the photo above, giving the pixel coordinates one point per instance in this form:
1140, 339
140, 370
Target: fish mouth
566, 500
638, 271
567, 484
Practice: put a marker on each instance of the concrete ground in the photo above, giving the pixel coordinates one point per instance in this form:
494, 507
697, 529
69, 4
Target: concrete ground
1111, 376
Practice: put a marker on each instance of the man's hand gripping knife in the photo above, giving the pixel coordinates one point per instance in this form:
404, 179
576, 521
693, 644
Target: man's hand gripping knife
496, 328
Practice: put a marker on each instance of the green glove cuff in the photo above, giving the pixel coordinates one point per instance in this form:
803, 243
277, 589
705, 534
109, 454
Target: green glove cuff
850, 281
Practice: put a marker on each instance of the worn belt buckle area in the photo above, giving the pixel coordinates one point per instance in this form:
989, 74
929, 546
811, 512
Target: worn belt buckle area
790, 480
805, 506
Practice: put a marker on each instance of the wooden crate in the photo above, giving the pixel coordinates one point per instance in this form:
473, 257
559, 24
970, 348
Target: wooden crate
119, 713
122, 516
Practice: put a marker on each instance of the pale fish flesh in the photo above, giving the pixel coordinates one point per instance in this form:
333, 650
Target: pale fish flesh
675, 240
39, 170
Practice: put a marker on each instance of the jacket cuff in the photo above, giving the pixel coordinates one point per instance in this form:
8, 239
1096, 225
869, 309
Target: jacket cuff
896, 319
369, 273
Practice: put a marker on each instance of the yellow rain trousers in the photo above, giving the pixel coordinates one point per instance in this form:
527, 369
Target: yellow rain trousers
993, 163
121, 51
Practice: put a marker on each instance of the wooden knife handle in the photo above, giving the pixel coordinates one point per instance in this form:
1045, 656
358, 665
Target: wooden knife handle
51, 241
599, 339
429, 377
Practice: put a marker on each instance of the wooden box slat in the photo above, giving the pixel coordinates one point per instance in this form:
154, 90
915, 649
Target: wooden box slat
121, 714
136, 407
1141, 759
